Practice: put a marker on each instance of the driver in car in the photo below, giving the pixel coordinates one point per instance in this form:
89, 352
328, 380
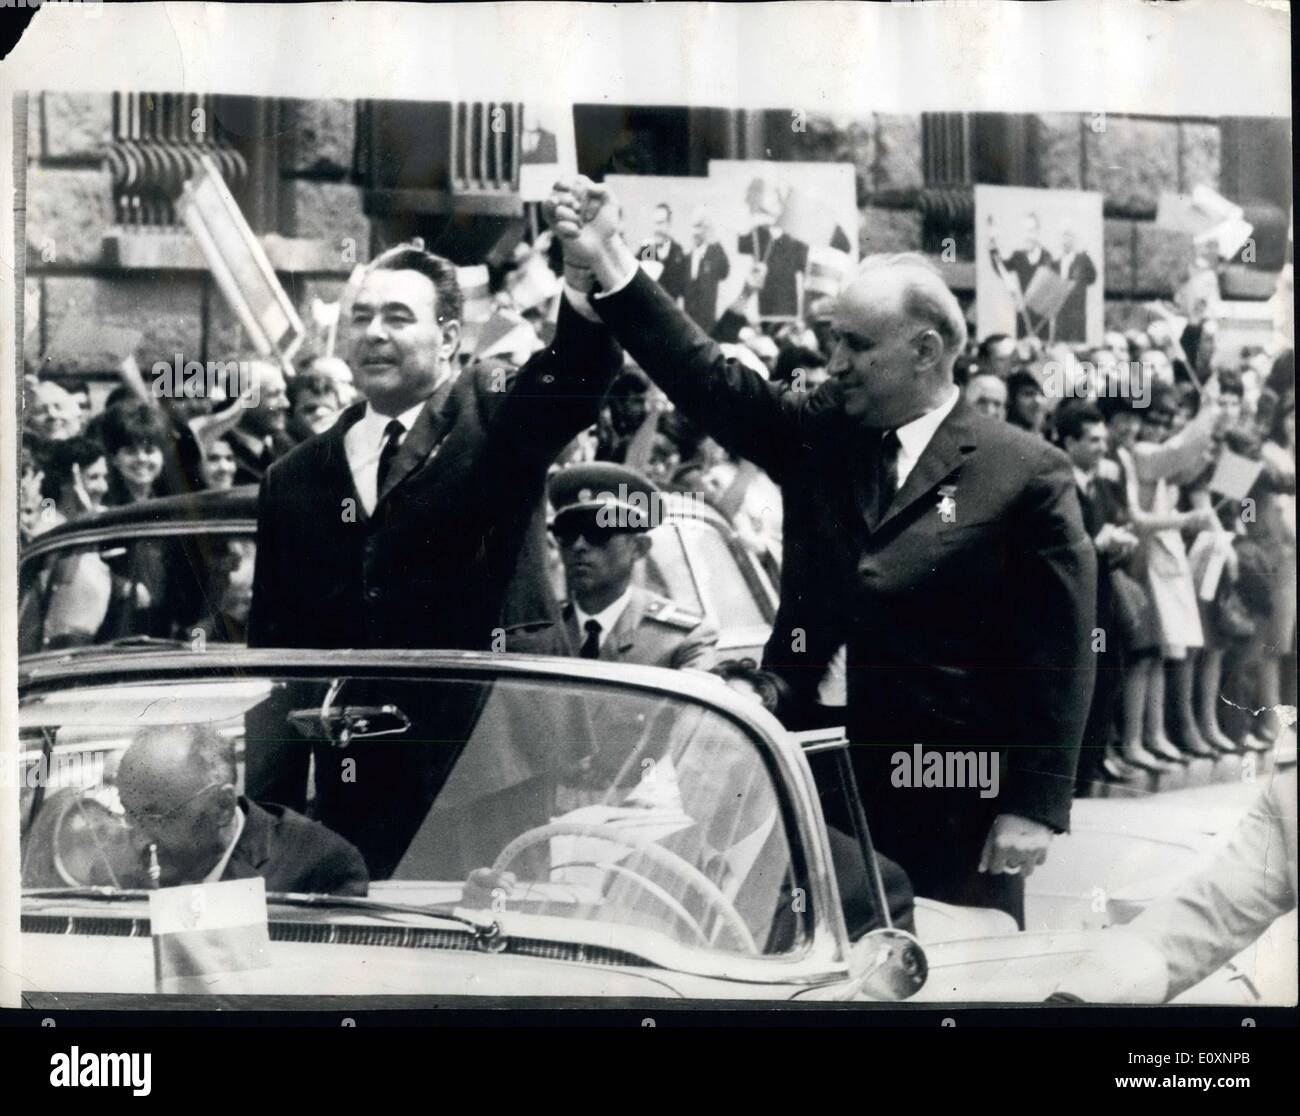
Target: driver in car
177, 788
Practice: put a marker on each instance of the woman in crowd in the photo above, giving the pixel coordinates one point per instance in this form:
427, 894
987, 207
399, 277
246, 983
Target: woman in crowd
1153, 468
218, 464
1026, 407
69, 601
136, 438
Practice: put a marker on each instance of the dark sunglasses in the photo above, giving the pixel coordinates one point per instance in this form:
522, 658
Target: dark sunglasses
566, 534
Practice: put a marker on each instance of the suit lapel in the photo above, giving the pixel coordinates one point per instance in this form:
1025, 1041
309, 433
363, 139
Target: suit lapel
950, 444
253, 849
337, 472
430, 425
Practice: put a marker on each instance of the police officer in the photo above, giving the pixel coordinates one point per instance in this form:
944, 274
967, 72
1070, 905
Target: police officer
603, 512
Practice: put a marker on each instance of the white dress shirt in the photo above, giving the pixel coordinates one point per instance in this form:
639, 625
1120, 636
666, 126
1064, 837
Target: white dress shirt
220, 869
606, 617
364, 442
913, 438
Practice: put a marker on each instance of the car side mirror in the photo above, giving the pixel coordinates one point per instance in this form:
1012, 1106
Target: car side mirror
894, 965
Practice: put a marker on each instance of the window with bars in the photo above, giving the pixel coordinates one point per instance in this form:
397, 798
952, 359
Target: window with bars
158, 139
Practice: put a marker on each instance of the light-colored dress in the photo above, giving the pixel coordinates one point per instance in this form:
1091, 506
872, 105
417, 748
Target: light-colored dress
1153, 471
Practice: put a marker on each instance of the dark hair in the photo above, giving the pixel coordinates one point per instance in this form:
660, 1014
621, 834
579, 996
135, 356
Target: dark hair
1232, 385
666, 208
795, 356
133, 424
987, 345
311, 383
1071, 418
440, 272
1021, 379
60, 458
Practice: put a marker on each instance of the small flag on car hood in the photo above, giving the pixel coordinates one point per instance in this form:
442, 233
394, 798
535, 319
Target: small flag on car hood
201, 930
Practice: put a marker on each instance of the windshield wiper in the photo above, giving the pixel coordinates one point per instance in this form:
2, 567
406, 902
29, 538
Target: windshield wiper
487, 934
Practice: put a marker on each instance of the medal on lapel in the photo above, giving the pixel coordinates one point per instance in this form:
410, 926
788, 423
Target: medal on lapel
947, 507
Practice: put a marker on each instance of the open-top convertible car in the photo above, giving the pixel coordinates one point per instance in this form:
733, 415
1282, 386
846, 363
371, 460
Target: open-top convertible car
181, 568
531, 827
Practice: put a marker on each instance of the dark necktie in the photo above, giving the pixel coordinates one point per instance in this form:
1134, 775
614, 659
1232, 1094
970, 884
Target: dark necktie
392, 442
886, 479
591, 645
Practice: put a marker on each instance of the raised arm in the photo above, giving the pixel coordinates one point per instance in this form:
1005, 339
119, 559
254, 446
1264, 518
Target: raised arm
734, 404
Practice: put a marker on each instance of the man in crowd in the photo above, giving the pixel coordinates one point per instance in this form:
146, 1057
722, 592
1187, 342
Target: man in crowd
908, 517
706, 268
662, 248
177, 785
601, 524
987, 393
262, 436
313, 405
1082, 434
997, 355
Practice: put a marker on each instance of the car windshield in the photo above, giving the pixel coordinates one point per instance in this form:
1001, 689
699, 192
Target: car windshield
195, 587
643, 814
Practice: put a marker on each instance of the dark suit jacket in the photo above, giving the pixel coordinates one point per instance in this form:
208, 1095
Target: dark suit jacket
786, 258
1072, 321
462, 509
972, 632
294, 853
677, 268
250, 466
701, 293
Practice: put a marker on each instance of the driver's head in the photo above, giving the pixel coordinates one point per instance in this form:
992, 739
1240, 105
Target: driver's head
602, 514
177, 786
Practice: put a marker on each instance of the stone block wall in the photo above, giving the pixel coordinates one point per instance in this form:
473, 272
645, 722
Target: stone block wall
78, 300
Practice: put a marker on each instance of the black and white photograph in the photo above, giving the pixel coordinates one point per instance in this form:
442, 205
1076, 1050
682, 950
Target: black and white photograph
401, 604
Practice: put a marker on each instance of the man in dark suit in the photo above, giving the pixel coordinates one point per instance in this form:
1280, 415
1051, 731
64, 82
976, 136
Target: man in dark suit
262, 435
1082, 434
1078, 268
177, 785
909, 576
404, 524
661, 247
417, 520
706, 268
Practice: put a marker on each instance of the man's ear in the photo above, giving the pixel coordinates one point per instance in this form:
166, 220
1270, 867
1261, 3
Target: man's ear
450, 340
929, 348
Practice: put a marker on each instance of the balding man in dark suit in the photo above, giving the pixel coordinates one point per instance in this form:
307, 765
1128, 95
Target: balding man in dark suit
944, 551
